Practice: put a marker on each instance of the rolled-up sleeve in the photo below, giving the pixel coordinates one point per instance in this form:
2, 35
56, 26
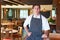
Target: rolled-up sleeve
26, 22
45, 24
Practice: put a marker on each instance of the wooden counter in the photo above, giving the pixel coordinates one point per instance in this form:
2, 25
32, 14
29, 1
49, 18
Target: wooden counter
54, 36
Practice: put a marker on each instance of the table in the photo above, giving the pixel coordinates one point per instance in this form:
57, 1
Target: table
54, 36
13, 31
8, 33
9, 24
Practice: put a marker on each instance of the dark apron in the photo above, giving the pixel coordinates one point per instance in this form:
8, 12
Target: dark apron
36, 29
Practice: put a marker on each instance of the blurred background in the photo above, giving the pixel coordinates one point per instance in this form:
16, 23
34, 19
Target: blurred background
14, 13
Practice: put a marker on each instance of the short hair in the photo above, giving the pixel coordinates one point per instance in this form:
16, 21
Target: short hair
36, 5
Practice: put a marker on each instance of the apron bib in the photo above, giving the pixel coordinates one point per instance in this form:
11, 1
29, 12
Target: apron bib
36, 29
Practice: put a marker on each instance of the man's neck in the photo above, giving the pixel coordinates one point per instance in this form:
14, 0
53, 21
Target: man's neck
36, 14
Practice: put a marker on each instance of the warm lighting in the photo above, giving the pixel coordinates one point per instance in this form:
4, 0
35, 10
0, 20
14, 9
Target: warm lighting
20, 30
44, 10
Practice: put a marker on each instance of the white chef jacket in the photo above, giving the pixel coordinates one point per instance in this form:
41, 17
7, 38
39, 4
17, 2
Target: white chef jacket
45, 24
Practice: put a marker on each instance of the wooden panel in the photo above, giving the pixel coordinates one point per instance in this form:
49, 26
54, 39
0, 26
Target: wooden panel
54, 2
0, 15
54, 36
37, 1
58, 16
22, 2
5, 15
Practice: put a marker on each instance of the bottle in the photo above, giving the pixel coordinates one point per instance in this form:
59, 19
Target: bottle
54, 31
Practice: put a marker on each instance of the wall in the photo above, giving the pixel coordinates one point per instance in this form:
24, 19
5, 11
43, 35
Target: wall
29, 7
47, 7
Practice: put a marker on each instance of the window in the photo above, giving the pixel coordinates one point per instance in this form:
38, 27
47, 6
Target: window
23, 13
53, 13
10, 12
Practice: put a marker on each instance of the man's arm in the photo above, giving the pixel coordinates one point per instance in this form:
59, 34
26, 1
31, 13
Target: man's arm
45, 36
46, 29
27, 21
46, 32
26, 29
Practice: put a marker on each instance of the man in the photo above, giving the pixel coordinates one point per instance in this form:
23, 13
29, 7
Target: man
37, 25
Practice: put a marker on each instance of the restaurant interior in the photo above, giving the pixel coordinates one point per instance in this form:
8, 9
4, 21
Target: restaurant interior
14, 13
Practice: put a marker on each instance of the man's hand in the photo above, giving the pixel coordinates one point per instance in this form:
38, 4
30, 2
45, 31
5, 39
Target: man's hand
44, 36
29, 33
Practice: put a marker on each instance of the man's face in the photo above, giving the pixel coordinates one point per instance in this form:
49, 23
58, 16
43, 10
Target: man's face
36, 9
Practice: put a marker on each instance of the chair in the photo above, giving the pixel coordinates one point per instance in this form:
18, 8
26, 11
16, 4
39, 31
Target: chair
18, 35
8, 36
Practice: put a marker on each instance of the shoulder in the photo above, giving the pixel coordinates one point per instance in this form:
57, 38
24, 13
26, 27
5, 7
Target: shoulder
29, 16
44, 18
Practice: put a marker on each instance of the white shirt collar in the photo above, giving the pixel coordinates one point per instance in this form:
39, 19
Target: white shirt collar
36, 16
